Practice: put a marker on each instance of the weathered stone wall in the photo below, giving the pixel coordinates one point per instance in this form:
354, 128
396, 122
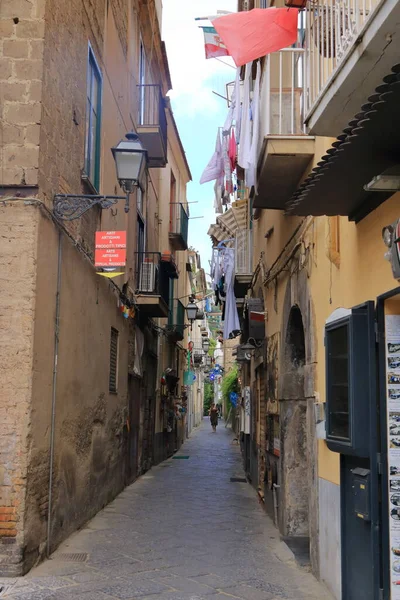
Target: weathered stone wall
21, 71
89, 467
18, 263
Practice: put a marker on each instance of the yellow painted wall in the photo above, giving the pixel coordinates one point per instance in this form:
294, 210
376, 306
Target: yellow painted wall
354, 275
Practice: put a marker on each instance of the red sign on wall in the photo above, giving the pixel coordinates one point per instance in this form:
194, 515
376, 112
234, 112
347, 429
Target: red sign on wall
110, 257
110, 239
110, 249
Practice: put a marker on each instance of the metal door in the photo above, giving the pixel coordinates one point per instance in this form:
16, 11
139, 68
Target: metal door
360, 526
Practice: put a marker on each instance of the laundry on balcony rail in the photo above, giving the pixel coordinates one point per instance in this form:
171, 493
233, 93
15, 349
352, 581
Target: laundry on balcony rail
223, 278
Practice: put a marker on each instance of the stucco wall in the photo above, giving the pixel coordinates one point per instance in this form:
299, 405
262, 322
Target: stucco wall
329, 536
89, 426
344, 277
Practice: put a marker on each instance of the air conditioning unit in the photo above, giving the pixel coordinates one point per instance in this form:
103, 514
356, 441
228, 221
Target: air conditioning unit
148, 272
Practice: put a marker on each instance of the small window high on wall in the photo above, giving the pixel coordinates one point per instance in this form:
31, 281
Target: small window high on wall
93, 121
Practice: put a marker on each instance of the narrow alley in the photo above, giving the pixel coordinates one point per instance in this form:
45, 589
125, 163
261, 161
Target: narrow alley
183, 531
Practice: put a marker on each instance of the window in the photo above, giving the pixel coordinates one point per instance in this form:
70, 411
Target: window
112, 385
172, 203
140, 235
139, 200
338, 383
350, 378
263, 3
93, 121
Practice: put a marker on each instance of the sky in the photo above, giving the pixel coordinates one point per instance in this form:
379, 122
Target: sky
197, 110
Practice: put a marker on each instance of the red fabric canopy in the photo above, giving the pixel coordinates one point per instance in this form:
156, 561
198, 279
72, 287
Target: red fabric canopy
252, 34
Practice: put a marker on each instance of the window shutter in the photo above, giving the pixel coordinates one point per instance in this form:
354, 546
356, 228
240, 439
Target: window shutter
113, 361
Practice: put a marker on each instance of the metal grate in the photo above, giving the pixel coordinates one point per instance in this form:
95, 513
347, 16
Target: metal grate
72, 557
112, 386
180, 457
238, 480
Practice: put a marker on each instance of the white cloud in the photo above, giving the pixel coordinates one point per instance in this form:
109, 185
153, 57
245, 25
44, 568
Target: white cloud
193, 77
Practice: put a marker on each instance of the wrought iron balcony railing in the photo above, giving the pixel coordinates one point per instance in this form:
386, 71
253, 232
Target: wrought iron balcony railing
178, 226
332, 28
152, 123
176, 320
283, 89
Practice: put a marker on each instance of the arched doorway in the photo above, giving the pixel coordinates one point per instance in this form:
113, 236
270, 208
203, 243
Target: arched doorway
294, 463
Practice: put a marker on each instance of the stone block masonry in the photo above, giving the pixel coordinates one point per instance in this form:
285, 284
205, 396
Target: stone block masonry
18, 244
21, 73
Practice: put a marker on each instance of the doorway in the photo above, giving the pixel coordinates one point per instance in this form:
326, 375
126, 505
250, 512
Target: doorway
294, 483
134, 402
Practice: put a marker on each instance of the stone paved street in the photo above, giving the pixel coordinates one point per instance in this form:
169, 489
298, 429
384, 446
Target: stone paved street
184, 531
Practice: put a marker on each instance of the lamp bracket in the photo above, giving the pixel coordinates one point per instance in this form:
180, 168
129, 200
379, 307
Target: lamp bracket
69, 207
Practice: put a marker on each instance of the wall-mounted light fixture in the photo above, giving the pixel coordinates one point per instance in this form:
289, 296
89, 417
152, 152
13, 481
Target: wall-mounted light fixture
391, 239
131, 162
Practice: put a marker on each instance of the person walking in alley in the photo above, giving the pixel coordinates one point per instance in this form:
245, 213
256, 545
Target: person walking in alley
214, 416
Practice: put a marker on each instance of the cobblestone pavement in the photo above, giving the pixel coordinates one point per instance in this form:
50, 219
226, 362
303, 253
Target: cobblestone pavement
183, 531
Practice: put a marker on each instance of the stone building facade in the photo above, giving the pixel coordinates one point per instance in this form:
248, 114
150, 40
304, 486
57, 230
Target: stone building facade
77, 419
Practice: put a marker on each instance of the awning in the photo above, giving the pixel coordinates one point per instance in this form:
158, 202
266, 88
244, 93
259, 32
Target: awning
366, 148
235, 217
219, 234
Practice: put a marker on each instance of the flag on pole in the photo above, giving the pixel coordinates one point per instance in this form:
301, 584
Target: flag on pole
252, 34
214, 46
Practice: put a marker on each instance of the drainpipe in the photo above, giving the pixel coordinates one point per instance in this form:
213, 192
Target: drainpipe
54, 390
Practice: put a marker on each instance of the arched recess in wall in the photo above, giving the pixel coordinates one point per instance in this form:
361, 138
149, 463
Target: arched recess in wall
298, 463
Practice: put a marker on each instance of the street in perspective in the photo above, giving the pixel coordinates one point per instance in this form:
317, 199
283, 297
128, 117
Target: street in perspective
192, 528
199, 299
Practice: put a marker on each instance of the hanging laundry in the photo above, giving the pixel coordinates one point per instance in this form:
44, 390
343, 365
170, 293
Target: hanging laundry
245, 129
231, 317
249, 35
215, 167
227, 165
251, 171
218, 192
237, 101
232, 150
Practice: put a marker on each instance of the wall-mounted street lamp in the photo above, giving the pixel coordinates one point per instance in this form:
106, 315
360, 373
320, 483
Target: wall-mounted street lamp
206, 345
191, 310
130, 160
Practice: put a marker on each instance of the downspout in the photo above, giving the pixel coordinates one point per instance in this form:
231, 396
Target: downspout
54, 391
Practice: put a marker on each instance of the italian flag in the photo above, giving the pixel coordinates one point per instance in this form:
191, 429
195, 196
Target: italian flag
214, 46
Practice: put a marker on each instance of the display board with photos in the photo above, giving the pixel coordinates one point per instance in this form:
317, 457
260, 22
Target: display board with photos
392, 343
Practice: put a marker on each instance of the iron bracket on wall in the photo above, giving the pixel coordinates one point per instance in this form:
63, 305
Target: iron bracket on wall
69, 207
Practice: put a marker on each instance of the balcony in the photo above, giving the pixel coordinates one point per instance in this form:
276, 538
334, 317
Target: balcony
243, 262
198, 355
178, 226
152, 285
152, 124
349, 50
176, 321
286, 150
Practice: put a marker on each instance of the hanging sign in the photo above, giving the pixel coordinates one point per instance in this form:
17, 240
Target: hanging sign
110, 249
110, 258
110, 239
392, 323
